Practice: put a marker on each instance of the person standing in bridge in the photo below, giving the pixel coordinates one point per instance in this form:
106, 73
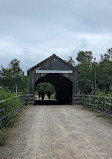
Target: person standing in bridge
42, 94
49, 94
39, 94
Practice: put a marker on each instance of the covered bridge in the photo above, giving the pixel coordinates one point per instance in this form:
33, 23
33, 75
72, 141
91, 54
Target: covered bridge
59, 73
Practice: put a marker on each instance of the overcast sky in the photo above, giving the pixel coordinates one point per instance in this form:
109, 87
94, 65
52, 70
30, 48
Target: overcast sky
32, 30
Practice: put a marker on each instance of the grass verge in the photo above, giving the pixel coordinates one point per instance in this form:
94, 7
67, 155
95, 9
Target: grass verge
5, 132
3, 136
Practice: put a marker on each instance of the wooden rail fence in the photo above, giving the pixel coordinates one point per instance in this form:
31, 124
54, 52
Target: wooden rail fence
98, 103
10, 107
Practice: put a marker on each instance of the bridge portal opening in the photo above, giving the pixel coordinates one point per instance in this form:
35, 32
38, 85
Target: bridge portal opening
62, 87
45, 93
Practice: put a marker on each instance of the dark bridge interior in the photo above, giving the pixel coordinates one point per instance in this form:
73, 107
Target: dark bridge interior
63, 87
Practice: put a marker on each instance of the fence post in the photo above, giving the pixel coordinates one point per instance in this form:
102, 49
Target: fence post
105, 103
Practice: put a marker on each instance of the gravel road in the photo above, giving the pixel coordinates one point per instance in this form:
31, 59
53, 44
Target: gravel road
59, 132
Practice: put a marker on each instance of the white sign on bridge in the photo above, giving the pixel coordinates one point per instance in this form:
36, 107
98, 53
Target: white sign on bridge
53, 71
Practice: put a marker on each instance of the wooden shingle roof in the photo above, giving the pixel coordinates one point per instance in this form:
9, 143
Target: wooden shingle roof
48, 59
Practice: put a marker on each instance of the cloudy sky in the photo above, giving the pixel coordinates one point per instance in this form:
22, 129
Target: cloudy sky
32, 30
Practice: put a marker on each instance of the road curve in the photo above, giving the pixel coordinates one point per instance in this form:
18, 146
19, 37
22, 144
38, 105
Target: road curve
59, 132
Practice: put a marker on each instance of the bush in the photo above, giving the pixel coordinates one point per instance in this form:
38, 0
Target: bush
6, 94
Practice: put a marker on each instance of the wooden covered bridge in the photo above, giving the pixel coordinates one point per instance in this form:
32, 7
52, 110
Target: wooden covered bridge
59, 73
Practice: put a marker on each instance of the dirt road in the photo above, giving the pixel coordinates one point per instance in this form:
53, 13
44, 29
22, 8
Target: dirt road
59, 132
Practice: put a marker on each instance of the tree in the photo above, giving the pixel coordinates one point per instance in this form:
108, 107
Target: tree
14, 67
5, 77
13, 77
84, 66
16, 73
71, 61
109, 52
45, 87
84, 57
104, 76
24, 85
107, 55
85, 81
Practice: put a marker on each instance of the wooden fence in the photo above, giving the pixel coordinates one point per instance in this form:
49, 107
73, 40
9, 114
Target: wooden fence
98, 103
10, 107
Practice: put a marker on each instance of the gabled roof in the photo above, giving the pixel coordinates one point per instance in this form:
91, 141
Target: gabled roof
49, 58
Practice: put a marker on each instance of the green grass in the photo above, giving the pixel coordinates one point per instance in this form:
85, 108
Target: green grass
5, 132
3, 136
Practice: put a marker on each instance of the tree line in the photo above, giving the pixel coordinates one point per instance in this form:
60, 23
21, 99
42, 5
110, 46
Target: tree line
94, 76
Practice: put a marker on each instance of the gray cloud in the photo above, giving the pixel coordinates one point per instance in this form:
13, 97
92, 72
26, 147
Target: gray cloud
32, 30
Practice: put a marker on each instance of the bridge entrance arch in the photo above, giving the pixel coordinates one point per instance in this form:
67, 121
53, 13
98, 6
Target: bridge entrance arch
63, 87
59, 73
